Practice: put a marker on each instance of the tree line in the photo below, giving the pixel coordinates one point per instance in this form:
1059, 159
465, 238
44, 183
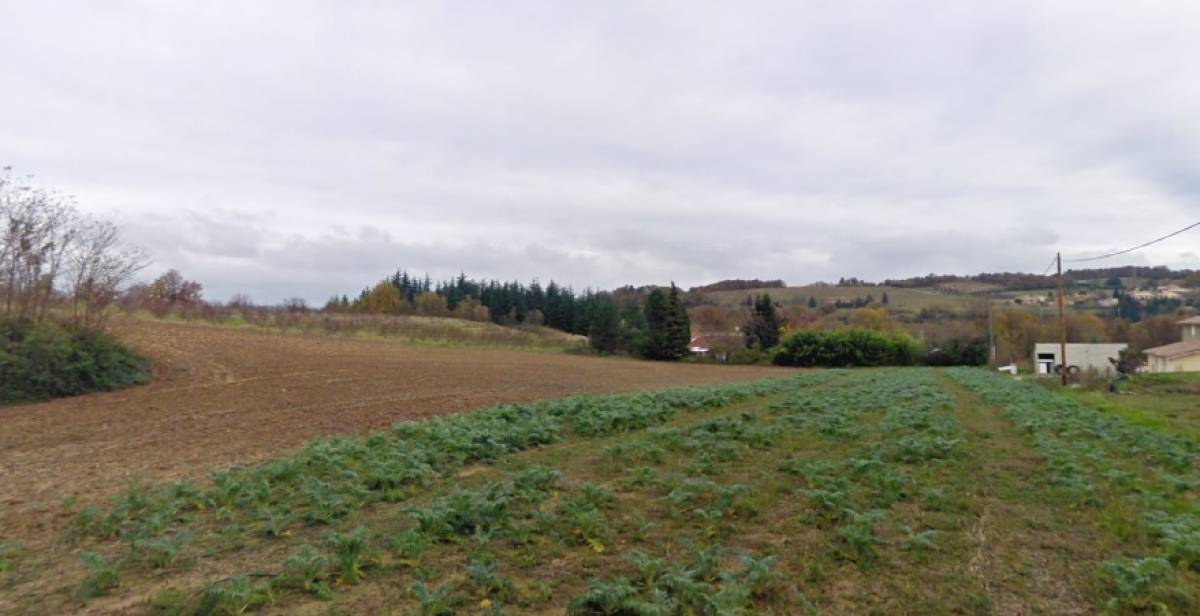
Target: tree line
738, 284
504, 303
648, 321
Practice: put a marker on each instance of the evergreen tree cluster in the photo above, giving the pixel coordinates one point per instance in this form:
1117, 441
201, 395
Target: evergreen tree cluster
507, 303
615, 322
620, 322
857, 302
761, 330
1131, 309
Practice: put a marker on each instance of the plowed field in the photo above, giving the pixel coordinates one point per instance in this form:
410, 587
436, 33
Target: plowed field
225, 397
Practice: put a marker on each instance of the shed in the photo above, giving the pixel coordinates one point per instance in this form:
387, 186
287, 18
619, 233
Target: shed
1081, 357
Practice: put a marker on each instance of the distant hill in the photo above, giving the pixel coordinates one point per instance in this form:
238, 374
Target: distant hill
986, 283
1016, 281
737, 284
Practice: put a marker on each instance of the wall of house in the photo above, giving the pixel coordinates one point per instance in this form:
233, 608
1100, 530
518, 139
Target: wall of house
1190, 363
1191, 332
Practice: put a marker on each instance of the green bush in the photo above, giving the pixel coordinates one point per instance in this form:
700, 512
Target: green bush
847, 347
747, 357
39, 362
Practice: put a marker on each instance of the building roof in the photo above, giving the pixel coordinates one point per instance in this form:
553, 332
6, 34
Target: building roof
711, 340
1178, 349
1191, 321
1078, 346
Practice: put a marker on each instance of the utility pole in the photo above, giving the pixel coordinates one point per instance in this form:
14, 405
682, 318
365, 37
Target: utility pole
1062, 323
991, 336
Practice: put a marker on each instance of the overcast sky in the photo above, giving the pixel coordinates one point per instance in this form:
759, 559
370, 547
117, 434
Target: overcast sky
306, 149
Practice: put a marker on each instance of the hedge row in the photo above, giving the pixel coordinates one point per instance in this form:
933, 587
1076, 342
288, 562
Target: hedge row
846, 348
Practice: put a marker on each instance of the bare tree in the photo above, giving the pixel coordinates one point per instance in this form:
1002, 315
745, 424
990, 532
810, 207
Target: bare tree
38, 231
100, 264
172, 290
240, 301
295, 304
48, 251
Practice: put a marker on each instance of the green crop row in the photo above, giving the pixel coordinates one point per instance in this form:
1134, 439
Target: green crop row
1100, 461
326, 481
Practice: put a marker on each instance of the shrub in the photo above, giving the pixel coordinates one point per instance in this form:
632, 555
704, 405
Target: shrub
39, 362
847, 347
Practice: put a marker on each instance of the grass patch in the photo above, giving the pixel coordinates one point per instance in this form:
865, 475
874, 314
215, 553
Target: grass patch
410, 329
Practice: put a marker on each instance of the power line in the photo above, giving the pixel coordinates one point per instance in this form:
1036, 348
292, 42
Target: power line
1062, 322
1129, 250
1053, 260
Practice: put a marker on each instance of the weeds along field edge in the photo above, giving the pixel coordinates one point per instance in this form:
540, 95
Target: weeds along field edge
154, 528
1143, 483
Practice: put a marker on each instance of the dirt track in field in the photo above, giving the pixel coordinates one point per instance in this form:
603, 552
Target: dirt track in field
224, 397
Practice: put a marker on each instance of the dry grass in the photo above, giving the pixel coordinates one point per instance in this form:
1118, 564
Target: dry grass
411, 329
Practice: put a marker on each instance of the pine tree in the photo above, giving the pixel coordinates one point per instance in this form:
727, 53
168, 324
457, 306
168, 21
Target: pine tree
761, 330
668, 329
884, 300
812, 302
604, 333
679, 325
655, 345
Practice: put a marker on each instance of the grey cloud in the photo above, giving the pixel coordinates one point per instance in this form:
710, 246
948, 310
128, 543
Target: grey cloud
302, 148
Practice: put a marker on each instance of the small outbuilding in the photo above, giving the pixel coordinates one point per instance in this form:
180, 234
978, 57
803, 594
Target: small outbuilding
1182, 356
1081, 357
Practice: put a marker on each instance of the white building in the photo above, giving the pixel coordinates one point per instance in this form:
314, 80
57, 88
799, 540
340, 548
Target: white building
1080, 357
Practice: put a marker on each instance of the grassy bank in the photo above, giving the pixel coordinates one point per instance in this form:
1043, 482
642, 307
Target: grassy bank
419, 330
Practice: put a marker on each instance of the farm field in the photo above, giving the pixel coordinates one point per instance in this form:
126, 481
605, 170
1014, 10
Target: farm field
225, 397
892, 491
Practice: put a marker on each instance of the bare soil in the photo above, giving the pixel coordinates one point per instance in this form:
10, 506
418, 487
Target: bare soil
226, 397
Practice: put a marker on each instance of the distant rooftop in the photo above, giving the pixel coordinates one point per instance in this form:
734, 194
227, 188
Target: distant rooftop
1178, 349
1191, 321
